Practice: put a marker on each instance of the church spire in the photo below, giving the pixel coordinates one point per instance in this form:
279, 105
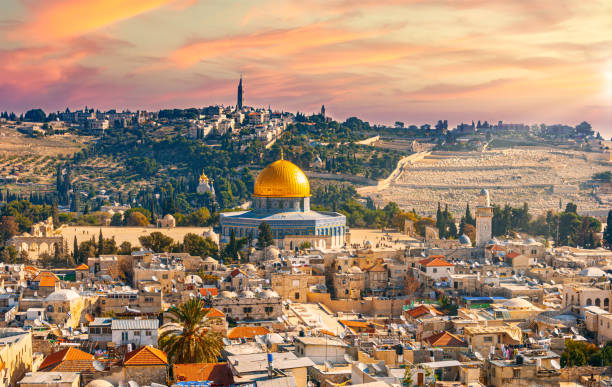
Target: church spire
239, 98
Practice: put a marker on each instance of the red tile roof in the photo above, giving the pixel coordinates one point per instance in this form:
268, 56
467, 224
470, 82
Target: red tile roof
213, 292
218, 373
214, 312
45, 274
445, 339
145, 356
435, 261
423, 310
247, 332
377, 267
82, 266
512, 255
68, 359
495, 248
46, 281
235, 272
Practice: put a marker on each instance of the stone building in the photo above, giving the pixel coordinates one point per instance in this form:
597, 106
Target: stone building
168, 221
64, 306
484, 219
42, 239
146, 365
15, 354
292, 286
265, 305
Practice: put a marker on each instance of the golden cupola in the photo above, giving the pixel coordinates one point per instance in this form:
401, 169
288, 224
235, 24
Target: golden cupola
282, 179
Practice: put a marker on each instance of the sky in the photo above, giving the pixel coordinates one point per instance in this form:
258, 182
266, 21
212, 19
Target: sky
416, 61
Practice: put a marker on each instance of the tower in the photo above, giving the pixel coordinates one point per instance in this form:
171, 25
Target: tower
484, 219
239, 99
323, 111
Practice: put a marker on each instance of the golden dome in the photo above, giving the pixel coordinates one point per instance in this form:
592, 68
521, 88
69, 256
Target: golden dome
282, 179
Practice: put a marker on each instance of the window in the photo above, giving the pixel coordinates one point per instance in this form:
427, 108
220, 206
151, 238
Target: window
164, 276
488, 339
148, 333
435, 270
516, 373
124, 336
269, 309
297, 295
247, 309
136, 333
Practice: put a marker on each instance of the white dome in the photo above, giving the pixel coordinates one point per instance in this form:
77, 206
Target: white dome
273, 338
168, 217
193, 279
272, 250
212, 235
268, 293
227, 294
247, 294
99, 383
250, 267
518, 303
355, 270
63, 295
592, 272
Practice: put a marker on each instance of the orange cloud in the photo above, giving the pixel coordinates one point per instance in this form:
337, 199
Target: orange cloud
282, 42
50, 20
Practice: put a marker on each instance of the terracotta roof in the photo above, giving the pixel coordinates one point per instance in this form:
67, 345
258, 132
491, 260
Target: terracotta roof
214, 312
45, 274
326, 332
218, 373
213, 292
46, 281
68, 359
247, 332
145, 356
82, 266
435, 261
495, 248
235, 272
512, 255
30, 268
354, 324
422, 310
445, 339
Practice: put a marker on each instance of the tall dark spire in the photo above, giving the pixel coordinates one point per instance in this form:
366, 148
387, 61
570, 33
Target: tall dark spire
239, 101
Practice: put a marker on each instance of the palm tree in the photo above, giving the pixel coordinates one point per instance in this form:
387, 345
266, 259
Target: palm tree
189, 338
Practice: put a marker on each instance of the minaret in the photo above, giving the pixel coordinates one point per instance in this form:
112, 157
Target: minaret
323, 111
484, 219
239, 100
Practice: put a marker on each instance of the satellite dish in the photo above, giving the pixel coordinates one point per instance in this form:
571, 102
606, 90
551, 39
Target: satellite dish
348, 358
227, 341
154, 278
157, 385
328, 365
132, 383
403, 318
362, 367
98, 366
280, 319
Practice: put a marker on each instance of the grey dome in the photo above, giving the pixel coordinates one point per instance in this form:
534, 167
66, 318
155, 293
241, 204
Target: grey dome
465, 240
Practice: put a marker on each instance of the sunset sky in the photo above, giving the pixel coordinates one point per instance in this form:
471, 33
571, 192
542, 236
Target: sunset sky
416, 61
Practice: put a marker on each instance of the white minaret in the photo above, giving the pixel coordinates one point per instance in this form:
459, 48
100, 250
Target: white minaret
484, 219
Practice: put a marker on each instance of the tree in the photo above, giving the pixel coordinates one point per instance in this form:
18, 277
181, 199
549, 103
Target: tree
264, 236
117, 219
607, 235
469, 219
188, 338
199, 218
8, 228
100, 242
156, 241
200, 246
75, 249
136, 219
125, 248
35, 115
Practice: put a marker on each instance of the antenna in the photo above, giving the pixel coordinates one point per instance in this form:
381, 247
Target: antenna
227, 341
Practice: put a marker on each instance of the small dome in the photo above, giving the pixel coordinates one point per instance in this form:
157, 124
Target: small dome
530, 241
355, 270
484, 192
465, 240
193, 279
227, 294
272, 251
268, 293
212, 235
282, 179
518, 303
63, 295
168, 217
247, 294
492, 242
592, 272
250, 267
99, 383
273, 338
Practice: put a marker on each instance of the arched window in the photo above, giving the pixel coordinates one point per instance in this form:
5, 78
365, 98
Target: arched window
589, 302
597, 302
606, 303
50, 308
